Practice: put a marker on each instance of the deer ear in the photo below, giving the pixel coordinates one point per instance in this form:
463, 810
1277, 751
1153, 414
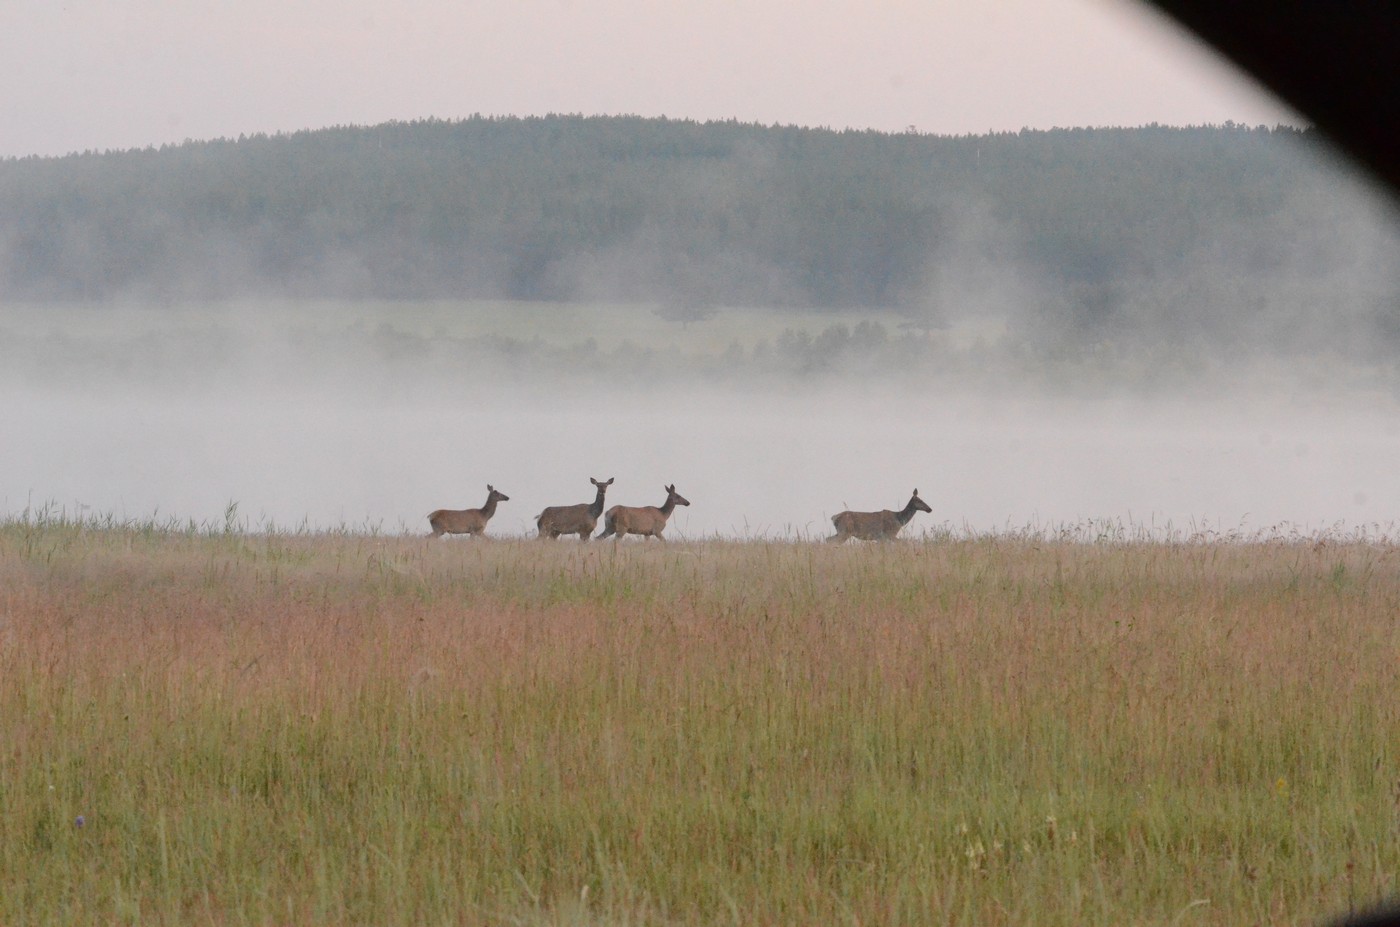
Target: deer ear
916, 492
490, 488
610, 481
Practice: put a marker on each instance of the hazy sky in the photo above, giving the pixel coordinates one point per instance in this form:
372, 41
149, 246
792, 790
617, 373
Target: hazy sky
97, 74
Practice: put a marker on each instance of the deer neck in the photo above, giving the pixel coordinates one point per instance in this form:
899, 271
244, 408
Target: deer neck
906, 513
668, 507
596, 508
489, 508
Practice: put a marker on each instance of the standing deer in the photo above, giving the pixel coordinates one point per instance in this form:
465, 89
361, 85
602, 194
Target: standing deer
647, 520
578, 519
466, 521
876, 526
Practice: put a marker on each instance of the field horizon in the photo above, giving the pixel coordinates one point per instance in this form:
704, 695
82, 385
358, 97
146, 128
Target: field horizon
210, 726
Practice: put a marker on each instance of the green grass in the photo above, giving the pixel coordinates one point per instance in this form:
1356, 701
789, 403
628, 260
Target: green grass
339, 729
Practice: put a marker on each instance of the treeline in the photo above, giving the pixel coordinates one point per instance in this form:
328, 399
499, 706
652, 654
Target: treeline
387, 361
1213, 234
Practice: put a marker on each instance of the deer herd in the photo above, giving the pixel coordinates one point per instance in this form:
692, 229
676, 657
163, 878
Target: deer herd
648, 521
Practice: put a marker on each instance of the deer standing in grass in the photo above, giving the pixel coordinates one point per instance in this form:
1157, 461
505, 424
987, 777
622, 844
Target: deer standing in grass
466, 521
876, 526
578, 519
647, 520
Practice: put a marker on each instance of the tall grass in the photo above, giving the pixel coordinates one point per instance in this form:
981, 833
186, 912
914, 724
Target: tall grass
214, 727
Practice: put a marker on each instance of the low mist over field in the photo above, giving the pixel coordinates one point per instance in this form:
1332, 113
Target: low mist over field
1171, 330
323, 417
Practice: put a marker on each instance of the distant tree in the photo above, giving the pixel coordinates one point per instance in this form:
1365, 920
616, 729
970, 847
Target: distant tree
686, 310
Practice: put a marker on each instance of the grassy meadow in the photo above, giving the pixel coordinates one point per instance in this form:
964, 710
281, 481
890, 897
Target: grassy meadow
208, 727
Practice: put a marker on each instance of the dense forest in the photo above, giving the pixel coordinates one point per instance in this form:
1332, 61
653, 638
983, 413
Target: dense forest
1221, 235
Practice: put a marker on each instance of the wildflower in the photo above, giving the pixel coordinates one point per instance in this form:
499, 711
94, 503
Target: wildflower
80, 821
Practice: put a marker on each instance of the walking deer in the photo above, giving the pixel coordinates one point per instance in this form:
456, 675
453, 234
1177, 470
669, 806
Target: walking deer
466, 521
647, 520
876, 526
578, 519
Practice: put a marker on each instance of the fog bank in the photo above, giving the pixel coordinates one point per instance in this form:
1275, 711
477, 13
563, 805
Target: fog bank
752, 466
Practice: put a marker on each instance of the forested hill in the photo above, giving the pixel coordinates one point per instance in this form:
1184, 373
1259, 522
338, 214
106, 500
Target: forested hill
1101, 228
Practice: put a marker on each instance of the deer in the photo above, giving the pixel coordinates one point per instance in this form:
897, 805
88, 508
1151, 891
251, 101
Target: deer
876, 526
578, 519
467, 521
647, 520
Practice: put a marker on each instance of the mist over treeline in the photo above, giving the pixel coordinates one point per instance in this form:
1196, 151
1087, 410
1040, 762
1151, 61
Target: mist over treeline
1224, 237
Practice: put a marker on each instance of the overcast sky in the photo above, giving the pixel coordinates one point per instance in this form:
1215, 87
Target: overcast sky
98, 74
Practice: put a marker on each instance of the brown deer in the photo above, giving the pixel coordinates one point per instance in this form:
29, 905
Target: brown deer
876, 526
578, 519
466, 521
647, 520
